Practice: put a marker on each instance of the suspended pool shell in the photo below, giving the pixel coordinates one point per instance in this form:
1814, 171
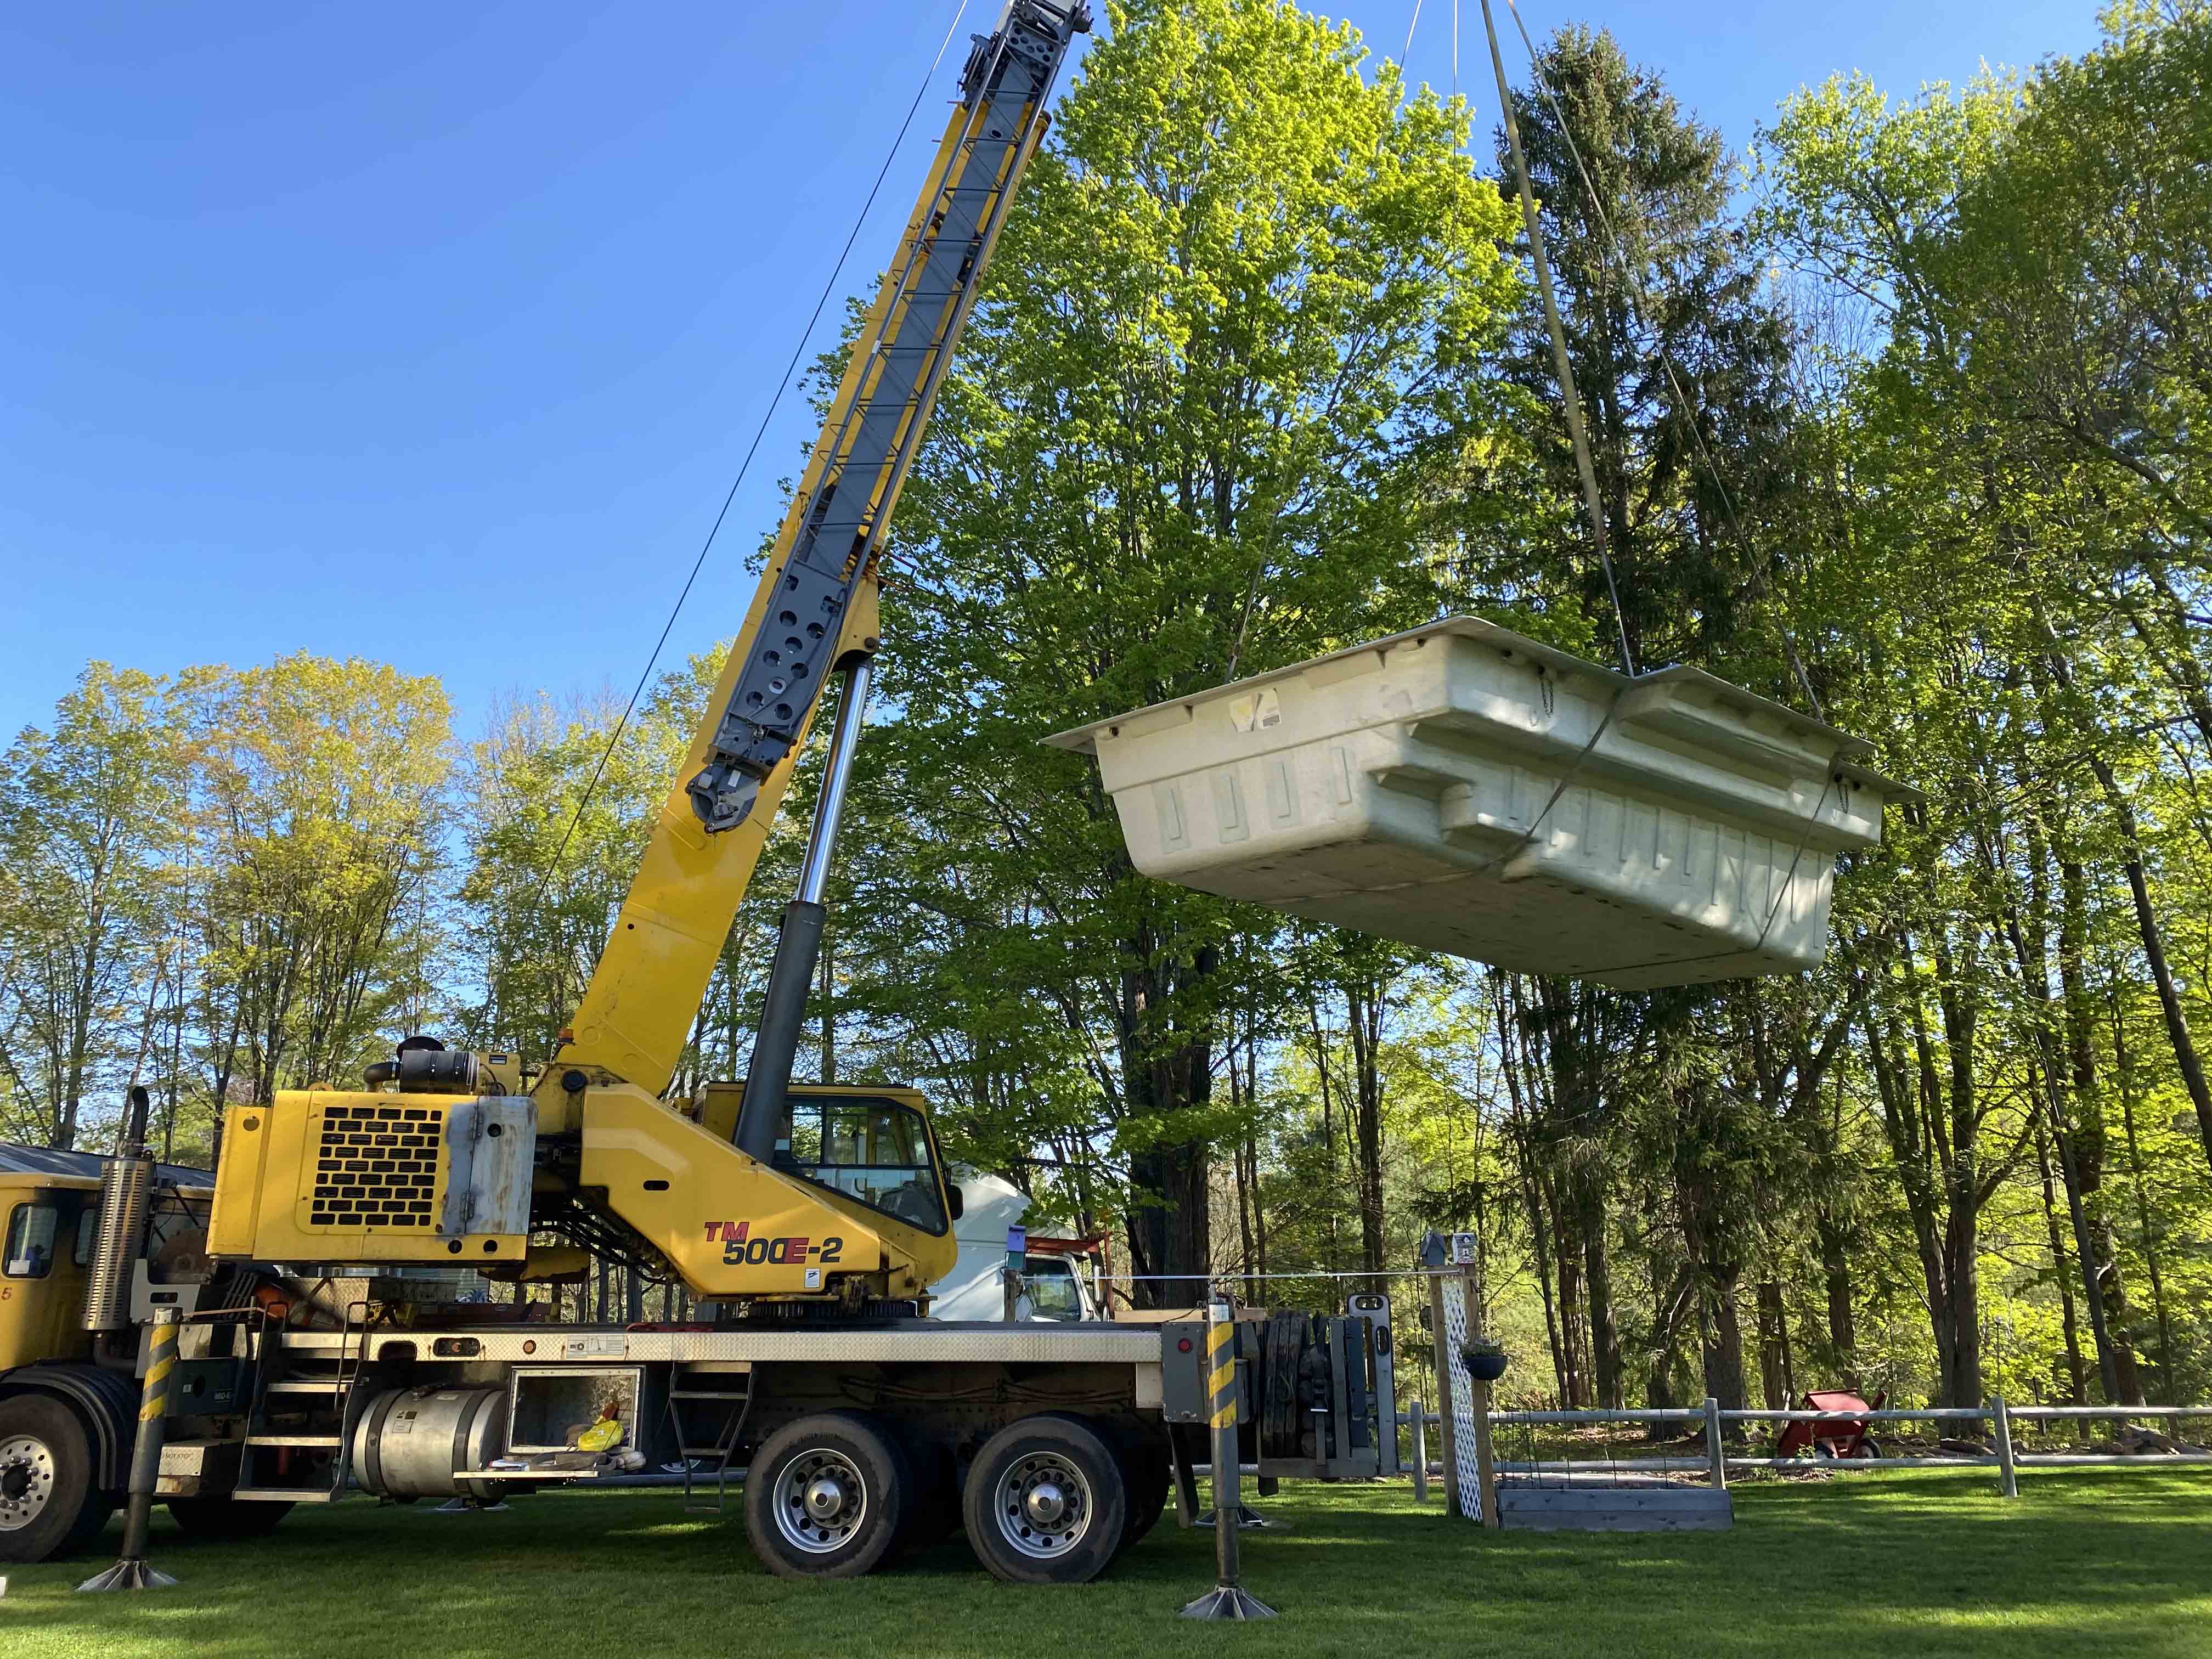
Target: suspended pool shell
1464, 789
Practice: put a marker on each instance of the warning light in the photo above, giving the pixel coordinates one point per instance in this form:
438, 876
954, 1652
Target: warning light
1183, 1345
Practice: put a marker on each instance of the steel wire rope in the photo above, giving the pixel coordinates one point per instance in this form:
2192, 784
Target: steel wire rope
1570, 399
798, 352
1666, 360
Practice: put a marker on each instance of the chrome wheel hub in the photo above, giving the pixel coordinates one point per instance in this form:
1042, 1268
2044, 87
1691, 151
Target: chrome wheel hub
27, 1481
821, 1500
1044, 1505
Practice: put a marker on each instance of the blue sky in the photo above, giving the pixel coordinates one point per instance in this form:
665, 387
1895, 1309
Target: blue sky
436, 334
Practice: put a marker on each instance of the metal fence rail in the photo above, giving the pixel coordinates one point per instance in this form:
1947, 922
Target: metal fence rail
1712, 1461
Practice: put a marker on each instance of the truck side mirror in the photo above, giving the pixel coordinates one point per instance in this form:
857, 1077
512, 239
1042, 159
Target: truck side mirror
956, 1200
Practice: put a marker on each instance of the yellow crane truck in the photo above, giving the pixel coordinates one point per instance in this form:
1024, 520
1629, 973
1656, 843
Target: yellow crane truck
322, 1349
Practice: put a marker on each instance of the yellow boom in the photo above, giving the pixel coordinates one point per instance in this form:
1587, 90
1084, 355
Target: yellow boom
764, 1191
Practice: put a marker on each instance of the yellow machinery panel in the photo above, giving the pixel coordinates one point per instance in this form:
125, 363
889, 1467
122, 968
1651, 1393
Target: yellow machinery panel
734, 1227
336, 1176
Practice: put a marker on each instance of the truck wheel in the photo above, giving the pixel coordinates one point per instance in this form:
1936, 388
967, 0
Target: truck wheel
1145, 1478
48, 1504
826, 1497
1045, 1503
215, 1518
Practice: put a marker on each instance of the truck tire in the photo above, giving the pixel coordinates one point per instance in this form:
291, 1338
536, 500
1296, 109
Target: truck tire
50, 1503
826, 1497
217, 1519
1045, 1503
1145, 1480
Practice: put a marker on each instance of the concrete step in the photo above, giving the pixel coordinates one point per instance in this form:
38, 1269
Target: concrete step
1627, 1508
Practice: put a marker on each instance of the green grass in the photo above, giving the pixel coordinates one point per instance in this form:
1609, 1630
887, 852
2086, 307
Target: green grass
1885, 1565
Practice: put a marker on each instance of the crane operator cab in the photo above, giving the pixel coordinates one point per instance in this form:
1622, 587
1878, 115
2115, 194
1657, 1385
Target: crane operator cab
869, 1149
872, 1149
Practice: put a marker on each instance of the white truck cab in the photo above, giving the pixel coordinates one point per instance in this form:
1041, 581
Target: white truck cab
1054, 1285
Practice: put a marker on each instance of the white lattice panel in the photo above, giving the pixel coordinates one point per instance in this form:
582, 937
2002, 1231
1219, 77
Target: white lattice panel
1461, 1404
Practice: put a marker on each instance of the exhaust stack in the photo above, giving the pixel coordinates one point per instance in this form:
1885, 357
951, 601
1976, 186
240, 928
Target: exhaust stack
126, 1187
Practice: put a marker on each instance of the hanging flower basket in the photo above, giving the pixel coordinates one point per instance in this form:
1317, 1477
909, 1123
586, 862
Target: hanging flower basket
1484, 1358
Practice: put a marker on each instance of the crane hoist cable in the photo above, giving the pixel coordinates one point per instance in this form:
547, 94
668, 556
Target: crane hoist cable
798, 352
1576, 432
1629, 290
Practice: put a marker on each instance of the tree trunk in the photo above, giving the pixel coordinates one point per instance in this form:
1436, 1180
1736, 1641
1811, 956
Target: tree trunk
1574, 1396
2146, 1225
2077, 1379
1775, 1370
1960, 1330
1835, 1279
1538, 1233
2147, 924
1363, 1006
1723, 1338
2088, 1127
2091, 1278
1605, 1337
1165, 1074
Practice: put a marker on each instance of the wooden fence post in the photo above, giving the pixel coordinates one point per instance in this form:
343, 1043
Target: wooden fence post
1716, 1453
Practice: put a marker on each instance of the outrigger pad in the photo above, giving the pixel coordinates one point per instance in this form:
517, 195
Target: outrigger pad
1464, 789
1228, 1602
1248, 1520
131, 1573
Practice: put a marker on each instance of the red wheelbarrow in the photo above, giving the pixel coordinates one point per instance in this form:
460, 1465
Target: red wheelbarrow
1844, 1438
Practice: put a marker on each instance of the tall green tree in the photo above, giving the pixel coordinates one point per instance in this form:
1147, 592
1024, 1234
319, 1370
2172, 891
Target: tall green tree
1679, 355
1234, 333
89, 817
320, 791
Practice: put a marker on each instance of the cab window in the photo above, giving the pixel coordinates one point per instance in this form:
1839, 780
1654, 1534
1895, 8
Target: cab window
1052, 1290
30, 1249
88, 1234
875, 1151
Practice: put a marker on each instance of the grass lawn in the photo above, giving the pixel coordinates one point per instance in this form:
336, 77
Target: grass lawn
1885, 1565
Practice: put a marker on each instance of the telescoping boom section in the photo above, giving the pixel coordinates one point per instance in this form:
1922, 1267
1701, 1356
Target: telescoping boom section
815, 610
755, 1191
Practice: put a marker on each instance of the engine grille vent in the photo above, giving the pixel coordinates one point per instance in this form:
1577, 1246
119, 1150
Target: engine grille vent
377, 1166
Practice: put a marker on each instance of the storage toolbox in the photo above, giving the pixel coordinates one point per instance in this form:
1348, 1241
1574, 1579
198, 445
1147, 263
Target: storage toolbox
1465, 789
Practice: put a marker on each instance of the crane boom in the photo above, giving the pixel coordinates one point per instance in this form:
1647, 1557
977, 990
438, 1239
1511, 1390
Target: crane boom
815, 609
753, 1189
